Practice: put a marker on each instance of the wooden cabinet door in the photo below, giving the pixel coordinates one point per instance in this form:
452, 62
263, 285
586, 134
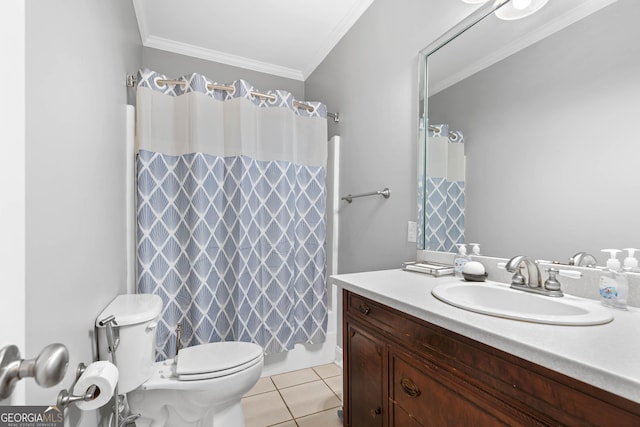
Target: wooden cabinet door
423, 394
365, 378
401, 418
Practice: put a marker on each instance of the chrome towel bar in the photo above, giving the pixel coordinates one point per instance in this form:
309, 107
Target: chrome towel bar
384, 193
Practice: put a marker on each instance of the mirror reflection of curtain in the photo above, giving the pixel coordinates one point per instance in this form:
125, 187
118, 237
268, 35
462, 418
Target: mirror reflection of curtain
444, 189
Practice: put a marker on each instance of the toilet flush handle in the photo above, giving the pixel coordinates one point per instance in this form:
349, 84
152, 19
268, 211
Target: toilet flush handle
178, 337
151, 326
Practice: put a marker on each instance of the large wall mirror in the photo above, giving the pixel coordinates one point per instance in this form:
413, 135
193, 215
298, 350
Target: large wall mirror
546, 110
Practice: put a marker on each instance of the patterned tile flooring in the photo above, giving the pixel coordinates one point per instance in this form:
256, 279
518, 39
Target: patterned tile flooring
305, 398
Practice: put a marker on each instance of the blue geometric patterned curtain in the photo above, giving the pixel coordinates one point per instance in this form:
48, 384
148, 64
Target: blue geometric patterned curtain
444, 189
231, 213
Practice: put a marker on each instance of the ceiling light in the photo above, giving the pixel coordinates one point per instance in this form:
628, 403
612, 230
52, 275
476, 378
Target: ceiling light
517, 9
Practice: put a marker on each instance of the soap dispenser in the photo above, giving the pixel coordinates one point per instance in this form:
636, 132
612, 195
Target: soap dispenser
614, 286
460, 260
475, 248
630, 262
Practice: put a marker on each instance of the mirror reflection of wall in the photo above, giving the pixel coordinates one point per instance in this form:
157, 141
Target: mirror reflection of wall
552, 140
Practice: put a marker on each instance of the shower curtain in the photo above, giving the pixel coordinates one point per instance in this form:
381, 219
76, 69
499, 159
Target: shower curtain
444, 189
231, 212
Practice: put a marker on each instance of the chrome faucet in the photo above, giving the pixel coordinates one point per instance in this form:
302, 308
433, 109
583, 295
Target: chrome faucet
583, 259
533, 281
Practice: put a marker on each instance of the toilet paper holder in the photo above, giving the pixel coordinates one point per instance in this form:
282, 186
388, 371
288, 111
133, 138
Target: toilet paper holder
65, 398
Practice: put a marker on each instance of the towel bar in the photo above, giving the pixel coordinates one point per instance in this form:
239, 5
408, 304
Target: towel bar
384, 193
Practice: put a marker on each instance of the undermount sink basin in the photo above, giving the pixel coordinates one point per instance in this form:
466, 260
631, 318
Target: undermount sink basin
497, 299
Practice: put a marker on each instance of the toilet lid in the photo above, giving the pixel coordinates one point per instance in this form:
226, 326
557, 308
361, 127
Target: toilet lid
216, 359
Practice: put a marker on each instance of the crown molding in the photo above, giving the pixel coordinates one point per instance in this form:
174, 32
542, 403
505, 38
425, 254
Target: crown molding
221, 57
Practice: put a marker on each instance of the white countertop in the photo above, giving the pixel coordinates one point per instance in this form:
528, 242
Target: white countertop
606, 356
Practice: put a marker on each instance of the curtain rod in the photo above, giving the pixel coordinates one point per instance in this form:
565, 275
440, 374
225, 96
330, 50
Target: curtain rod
297, 104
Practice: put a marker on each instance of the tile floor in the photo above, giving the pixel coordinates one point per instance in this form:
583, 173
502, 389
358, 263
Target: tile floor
305, 398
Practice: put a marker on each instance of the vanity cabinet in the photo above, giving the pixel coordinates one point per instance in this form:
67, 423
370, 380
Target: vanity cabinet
402, 371
366, 367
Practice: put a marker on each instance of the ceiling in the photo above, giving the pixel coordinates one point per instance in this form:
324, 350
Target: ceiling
287, 38
290, 38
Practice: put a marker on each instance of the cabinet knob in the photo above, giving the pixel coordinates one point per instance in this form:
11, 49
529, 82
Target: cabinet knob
376, 412
364, 308
409, 387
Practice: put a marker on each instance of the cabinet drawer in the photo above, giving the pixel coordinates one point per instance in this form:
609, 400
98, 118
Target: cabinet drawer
376, 313
432, 396
401, 327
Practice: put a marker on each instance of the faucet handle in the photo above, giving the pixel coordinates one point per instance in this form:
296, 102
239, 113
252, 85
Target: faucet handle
551, 284
518, 278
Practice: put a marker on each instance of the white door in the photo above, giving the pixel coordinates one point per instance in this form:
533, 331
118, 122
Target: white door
12, 183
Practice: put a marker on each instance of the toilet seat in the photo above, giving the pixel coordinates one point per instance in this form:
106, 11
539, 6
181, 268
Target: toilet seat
216, 360
217, 356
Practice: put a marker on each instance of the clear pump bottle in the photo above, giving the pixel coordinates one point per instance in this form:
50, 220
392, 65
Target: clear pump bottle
614, 284
630, 262
475, 248
460, 260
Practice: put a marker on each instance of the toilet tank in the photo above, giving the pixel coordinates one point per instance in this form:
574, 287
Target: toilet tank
136, 318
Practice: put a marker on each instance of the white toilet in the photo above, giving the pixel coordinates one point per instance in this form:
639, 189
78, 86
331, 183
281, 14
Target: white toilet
201, 387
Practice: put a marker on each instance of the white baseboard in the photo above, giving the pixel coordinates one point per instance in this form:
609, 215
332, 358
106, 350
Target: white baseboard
338, 358
301, 357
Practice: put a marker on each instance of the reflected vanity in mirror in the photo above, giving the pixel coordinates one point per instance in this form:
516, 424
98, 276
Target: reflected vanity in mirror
549, 106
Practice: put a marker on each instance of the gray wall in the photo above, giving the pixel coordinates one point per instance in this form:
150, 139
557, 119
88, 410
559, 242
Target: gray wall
77, 55
371, 78
175, 65
552, 154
